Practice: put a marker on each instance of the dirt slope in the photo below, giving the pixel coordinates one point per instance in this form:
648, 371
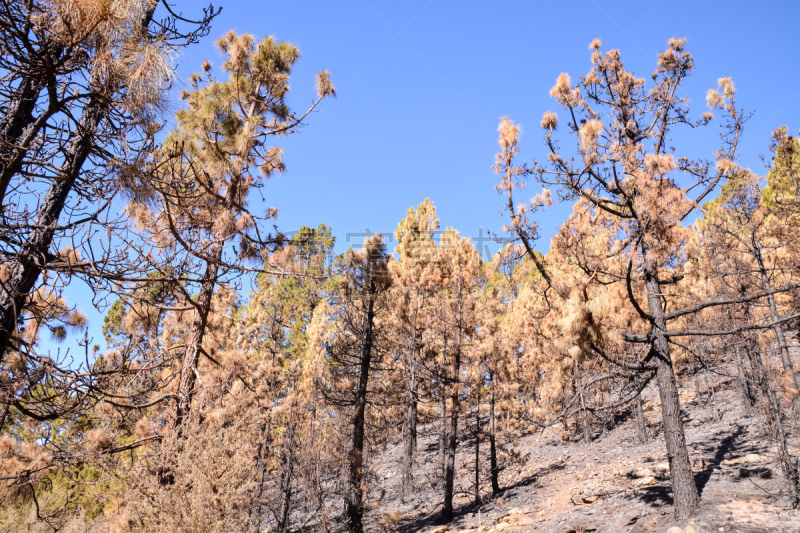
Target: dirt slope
613, 484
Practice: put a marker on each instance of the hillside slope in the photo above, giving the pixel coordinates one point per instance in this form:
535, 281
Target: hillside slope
613, 484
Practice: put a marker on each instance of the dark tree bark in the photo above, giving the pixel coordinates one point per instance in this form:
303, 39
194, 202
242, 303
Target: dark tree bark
477, 497
19, 115
35, 254
286, 481
354, 496
777, 432
712, 397
494, 470
410, 426
447, 511
263, 452
684, 488
641, 423
744, 383
194, 341
442, 432
583, 417
777, 327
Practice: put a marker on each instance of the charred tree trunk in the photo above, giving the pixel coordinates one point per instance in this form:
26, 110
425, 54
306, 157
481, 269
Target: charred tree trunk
712, 397
452, 444
354, 496
286, 482
197, 330
19, 115
583, 417
494, 470
744, 383
684, 488
3, 416
263, 451
447, 511
410, 426
443, 432
34, 255
775, 422
641, 423
777, 328
478, 452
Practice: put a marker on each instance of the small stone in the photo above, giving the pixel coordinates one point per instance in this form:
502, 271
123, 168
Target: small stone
645, 481
675, 529
641, 472
441, 529
662, 468
690, 529
589, 499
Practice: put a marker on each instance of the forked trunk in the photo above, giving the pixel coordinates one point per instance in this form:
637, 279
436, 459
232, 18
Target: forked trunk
197, 329
35, 252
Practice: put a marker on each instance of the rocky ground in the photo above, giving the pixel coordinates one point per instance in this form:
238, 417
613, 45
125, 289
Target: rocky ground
613, 484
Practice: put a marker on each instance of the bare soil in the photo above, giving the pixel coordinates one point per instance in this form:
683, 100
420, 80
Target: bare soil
549, 485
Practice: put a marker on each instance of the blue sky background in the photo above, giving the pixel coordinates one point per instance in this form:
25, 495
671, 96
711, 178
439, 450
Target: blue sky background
422, 85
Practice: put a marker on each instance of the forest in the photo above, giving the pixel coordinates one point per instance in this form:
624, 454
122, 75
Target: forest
253, 379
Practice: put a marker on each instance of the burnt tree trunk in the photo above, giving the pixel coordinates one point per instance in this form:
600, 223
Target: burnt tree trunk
354, 495
443, 432
286, 482
447, 511
744, 383
494, 470
34, 255
583, 418
410, 426
641, 423
684, 488
775, 422
777, 328
197, 329
478, 452
261, 462
18, 116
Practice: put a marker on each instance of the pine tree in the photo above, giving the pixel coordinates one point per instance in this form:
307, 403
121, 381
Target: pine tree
201, 180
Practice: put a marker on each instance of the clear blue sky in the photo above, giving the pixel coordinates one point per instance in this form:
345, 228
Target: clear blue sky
422, 85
